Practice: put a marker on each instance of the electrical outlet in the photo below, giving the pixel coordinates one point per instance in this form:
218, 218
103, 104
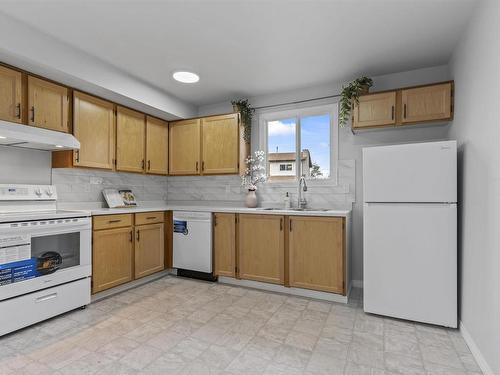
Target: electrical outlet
95, 181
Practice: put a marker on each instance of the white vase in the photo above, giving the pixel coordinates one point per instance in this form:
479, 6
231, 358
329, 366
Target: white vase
251, 199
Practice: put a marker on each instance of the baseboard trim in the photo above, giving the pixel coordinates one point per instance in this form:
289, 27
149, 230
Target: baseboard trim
357, 283
478, 356
325, 296
130, 285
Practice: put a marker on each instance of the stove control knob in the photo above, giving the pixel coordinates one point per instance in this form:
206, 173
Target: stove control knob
38, 192
49, 192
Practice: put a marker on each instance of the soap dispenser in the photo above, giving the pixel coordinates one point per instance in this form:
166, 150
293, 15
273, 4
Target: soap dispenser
286, 201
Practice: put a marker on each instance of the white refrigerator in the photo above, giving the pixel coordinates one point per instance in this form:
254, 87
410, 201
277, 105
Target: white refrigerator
410, 231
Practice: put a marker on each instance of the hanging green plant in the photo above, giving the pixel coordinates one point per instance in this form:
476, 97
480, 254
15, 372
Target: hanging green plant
350, 94
246, 112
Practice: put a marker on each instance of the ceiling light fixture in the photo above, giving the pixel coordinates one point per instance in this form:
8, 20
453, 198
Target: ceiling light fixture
59, 146
186, 77
2, 137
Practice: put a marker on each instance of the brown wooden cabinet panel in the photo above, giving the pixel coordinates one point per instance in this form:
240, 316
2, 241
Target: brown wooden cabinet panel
375, 110
225, 244
112, 258
261, 248
48, 105
149, 249
112, 221
156, 146
144, 218
317, 253
220, 143
184, 147
130, 134
427, 103
94, 127
10, 95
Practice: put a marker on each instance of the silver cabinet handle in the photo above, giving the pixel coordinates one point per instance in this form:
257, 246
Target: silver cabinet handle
46, 298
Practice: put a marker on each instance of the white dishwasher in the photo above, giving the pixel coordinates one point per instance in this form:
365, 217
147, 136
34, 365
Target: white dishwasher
192, 243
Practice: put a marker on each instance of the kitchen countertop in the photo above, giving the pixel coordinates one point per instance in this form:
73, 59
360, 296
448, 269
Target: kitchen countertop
215, 208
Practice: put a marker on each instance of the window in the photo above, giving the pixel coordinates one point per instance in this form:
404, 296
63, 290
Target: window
300, 142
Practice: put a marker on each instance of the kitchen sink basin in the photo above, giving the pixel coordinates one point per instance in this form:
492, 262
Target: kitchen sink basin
294, 209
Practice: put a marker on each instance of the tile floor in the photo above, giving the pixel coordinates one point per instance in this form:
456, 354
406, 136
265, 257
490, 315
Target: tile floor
180, 326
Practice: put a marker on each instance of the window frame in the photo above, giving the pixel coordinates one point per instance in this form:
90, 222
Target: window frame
297, 113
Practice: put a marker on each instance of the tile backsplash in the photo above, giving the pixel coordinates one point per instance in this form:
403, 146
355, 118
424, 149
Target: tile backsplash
86, 185
81, 185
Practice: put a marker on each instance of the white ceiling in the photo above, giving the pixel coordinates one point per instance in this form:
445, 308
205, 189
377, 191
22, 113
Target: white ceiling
248, 48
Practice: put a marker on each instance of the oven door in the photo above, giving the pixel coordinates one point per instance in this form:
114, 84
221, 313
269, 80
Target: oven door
50, 252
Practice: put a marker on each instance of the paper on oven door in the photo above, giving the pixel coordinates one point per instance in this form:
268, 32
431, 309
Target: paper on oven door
14, 248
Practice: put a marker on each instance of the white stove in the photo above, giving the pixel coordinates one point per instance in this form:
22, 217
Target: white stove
45, 256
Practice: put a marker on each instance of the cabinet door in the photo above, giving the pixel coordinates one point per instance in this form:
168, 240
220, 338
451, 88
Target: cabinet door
112, 258
261, 248
48, 105
225, 244
428, 103
130, 129
184, 147
375, 110
316, 253
220, 140
149, 249
156, 146
10, 95
94, 127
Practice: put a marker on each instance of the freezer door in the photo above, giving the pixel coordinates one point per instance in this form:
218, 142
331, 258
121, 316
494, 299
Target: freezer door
410, 261
419, 172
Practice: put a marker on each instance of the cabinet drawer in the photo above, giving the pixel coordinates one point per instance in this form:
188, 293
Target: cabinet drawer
149, 217
112, 221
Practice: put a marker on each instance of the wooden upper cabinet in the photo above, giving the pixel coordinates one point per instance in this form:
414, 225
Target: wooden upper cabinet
149, 249
156, 146
130, 131
261, 248
184, 147
10, 95
220, 143
94, 127
317, 253
427, 103
48, 105
225, 244
112, 258
375, 110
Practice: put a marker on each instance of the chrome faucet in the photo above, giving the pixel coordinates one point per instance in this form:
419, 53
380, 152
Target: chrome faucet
302, 202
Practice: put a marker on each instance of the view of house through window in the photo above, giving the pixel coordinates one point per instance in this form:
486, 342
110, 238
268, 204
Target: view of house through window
285, 137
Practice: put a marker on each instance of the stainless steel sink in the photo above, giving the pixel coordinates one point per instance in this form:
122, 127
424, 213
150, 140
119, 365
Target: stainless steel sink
294, 209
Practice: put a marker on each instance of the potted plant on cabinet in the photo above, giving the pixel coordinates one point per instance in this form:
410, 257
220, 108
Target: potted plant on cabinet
246, 113
253, 175
350, 95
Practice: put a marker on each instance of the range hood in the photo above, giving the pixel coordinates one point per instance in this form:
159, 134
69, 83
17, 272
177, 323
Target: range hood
24, 136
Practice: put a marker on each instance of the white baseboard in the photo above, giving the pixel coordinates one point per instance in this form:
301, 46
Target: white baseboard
331, 297
481, 361
357, 283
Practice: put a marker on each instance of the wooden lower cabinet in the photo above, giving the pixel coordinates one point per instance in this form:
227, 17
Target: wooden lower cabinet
306, 252
112, 258
225, 244
149, 249
316, 253
261, 248
122, 252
